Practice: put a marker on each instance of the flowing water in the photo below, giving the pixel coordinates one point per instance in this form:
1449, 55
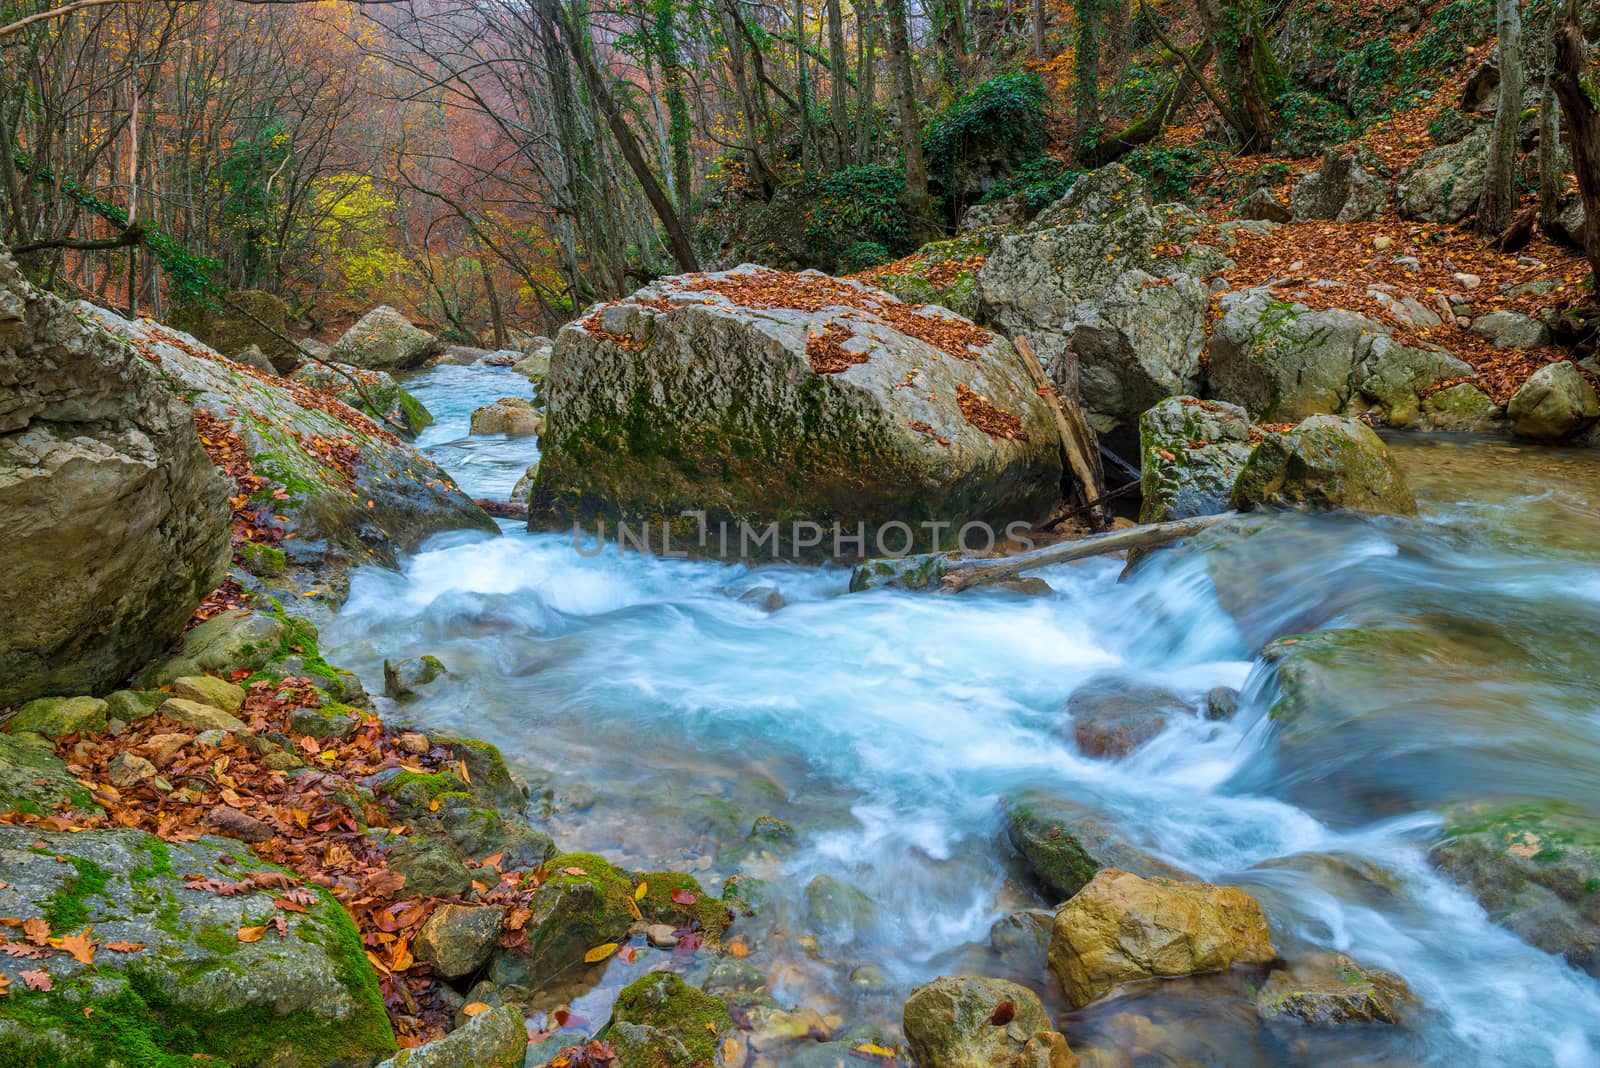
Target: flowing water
661, 706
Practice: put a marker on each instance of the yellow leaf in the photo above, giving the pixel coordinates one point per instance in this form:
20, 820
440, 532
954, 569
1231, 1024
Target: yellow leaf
641, 890
601, 952
252, 934
474, 1008
874, 1049
633, 908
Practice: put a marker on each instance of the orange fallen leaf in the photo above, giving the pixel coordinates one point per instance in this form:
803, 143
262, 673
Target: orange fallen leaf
38, 980
474, 1008
252, 934
124, 946
78, 945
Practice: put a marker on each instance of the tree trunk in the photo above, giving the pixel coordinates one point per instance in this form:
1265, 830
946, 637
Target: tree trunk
1086, 76
808, 131
1549, 134
497, 318
1583, 126
1038, 29
918, 204
867, 84
679, 128
1235, 32
841, 106
1499, 201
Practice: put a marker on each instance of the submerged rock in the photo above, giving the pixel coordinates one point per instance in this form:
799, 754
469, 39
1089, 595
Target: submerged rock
379, 395
1535, 868
307, 998
971, 1022
842, 911
1555, 402
714, 393
114, 521
662, 1022
1121, 928
384, 340
1111, 716
1191, 452
1326, 462
1324, 989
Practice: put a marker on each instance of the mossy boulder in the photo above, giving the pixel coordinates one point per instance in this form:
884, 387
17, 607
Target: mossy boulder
1554, 403
839, 910
1121, 929
130, 706
1535, 868
699, 394
262, 561
238, 639
495, 1038
57, 716
660, 1021
193, 990
1326, 462
34, 780
209, 690
379, 395
406, 677
384, 340
941, 272
1461, 407
231, 331
1191, 452
1325, 989
1444, 183
1065, 844
971, 1022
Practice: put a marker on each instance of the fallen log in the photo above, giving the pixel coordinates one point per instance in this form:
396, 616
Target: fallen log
930, 571
1077, 439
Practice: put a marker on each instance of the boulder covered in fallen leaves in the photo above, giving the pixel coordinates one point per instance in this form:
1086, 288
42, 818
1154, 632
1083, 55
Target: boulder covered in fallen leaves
971, 1022
941, 272
1072, 266
1445, 183
757, 397
136, 934
1122, 929
114, 522
1325, 463
493, 1037
1281, 360
1340, 189
1554, 403
384, 340
378, 394
348, 490
1191, 452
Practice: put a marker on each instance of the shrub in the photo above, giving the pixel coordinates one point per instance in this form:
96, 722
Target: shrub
1308, 123
1000, 120
1042, 182
1170, 172
861, 255
855, 206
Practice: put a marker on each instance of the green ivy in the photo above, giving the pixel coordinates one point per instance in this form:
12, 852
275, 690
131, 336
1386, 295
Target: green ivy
1171, 173
1003, 118
1367, 77
1041, 182
861, 255
858, 205
1307, 124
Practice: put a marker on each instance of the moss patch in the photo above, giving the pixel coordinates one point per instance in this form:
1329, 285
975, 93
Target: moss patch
66, 910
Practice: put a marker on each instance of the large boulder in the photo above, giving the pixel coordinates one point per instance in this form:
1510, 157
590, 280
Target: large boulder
497, 1037
1282, 361
1444, 184
378, 395
1191, 452
1462, 407
1569, 223
1535, 868
758, 397
515, 417
1340, 189
941, 272
305, 998
114, 521
971, 1022
251, 320
384, 340
1138, 343
1555, 402
349, 491
1075, 251
1326, 462
1121, 929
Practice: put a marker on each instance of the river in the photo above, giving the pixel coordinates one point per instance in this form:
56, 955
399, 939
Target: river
660, 706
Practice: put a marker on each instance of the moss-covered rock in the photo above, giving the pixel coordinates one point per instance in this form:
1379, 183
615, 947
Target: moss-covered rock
238, 639
194, 990
34, 780
130, 706
1461, 407
1535, 868
1554, 403
662, 1022
1326, 462
57, 716
263, 561
941, 272
233, 330
209, 690
971, 1022
494, 1038
432, 867
1324, 989
379, 394
1064, 844
459, 939
404, 677
384, 340
1191, 452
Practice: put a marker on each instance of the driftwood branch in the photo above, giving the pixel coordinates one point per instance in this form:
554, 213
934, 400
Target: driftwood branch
964, 574
1077, 440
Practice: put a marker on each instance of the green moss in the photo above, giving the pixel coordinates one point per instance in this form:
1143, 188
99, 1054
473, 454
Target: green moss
433, 785
667, 1004
221, 941
263, 561
1553, 828
160, 860
66, 909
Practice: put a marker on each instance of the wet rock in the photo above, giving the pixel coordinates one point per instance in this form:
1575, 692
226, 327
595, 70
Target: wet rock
1111, 717
197, 717
1121, 928
1511, 330
719, 404
1064, 843
193, 989
868, 979
971, 1022
1326, 462
771, 829
1535, 868
459, 939
379, 395
1191, 452
1263, 205
218, 693
662, 1022
1137, 343
483, 832
1340, 189
1221, 702
114, 520
524, 486
1023, 939
1462, 407
128, 770
918, 572
431, 867
384, 340
1325, 989
1555, 402
514, 417
54, 717
1444, 184
839, 909
494, 1038
1283, 361
661, 936
238, 639
406, 677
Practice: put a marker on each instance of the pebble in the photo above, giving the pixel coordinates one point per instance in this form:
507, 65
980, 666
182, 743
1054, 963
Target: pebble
661, 936
1467, 281
129, 769
413, 742
1382, 242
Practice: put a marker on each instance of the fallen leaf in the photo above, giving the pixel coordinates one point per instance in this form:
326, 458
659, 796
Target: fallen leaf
601, 952
37, 931
641, 890
474, 1008
683, 897
78, 945
252, 934
574, 871
39, 980
1004, 1013
124, 946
